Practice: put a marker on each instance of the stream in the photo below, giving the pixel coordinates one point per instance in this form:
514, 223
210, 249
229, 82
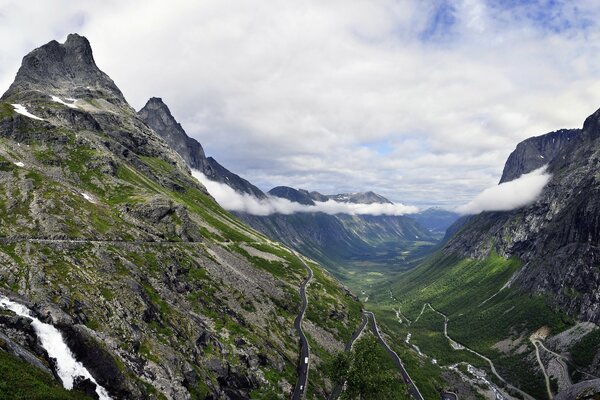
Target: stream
67, 367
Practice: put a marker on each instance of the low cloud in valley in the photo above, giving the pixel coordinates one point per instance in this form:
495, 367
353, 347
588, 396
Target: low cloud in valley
509, 195
241, 202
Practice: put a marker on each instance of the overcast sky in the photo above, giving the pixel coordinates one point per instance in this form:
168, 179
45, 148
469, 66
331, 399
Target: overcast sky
421, 101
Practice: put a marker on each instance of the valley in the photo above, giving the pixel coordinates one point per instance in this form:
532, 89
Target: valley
113, 245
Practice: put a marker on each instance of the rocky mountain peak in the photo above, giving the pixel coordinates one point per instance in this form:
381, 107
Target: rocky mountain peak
63, 69
360, 198
158, 116
535, 152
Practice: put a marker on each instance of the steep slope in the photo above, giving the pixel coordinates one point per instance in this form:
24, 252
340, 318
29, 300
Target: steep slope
536, 152
350, 246
158, 117
105, 234
343, 243
512, 282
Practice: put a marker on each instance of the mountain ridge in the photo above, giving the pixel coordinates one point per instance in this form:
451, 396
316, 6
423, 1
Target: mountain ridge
107, 236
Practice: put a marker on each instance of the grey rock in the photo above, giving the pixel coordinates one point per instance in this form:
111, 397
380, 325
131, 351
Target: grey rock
56, 65
158, 117
535, 152
557, 236
585, 390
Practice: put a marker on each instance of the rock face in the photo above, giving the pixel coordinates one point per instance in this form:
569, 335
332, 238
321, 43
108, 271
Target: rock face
536, 152
557, 236
581, 391
158, 116
106, 235
69, 65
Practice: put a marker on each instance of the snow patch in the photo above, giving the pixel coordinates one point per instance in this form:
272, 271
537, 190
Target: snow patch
88, 197
67, 367
20, 109
58, 100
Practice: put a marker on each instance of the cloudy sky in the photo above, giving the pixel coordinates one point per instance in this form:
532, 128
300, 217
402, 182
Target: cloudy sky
421, 101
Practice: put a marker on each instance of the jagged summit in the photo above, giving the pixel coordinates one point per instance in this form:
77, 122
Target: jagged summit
360, 198
158, 116
62, 69
535, 152
303, 196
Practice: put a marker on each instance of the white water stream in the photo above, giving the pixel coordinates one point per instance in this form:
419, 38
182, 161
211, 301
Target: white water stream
67, 367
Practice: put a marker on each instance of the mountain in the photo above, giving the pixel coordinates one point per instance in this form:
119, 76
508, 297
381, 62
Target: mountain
518, 282
156, 290
536, 152
294, 195
343, 242
158, 117
360, 198
305, 197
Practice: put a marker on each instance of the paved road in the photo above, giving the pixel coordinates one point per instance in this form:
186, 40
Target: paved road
454, 344
300, 388
8, 240
337, 390
412, 388
542, 367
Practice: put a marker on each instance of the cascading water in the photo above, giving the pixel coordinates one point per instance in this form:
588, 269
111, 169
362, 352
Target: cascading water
67, 367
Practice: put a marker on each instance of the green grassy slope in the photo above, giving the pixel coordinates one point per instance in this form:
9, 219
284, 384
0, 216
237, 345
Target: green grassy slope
480, 315
181, 288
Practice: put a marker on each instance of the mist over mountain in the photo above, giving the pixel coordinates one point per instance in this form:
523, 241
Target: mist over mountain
329, 200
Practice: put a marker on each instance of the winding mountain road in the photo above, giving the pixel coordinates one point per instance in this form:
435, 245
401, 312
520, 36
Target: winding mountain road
535, 343
412, 388
459, 346
303, 365
337, 390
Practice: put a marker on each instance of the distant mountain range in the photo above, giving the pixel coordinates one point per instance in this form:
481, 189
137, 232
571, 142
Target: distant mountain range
334, 240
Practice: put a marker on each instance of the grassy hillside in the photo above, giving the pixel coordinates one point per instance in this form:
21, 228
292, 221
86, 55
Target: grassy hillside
482, 314
102, 224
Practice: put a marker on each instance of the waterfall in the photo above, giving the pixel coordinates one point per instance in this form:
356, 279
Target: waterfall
67, 367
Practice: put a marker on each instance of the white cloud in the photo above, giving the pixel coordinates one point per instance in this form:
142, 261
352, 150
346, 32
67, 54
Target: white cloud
270, 87
231, 200
509, 195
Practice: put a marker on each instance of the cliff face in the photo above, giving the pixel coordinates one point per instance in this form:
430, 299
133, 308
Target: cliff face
536, 152
158, 117
556, 237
